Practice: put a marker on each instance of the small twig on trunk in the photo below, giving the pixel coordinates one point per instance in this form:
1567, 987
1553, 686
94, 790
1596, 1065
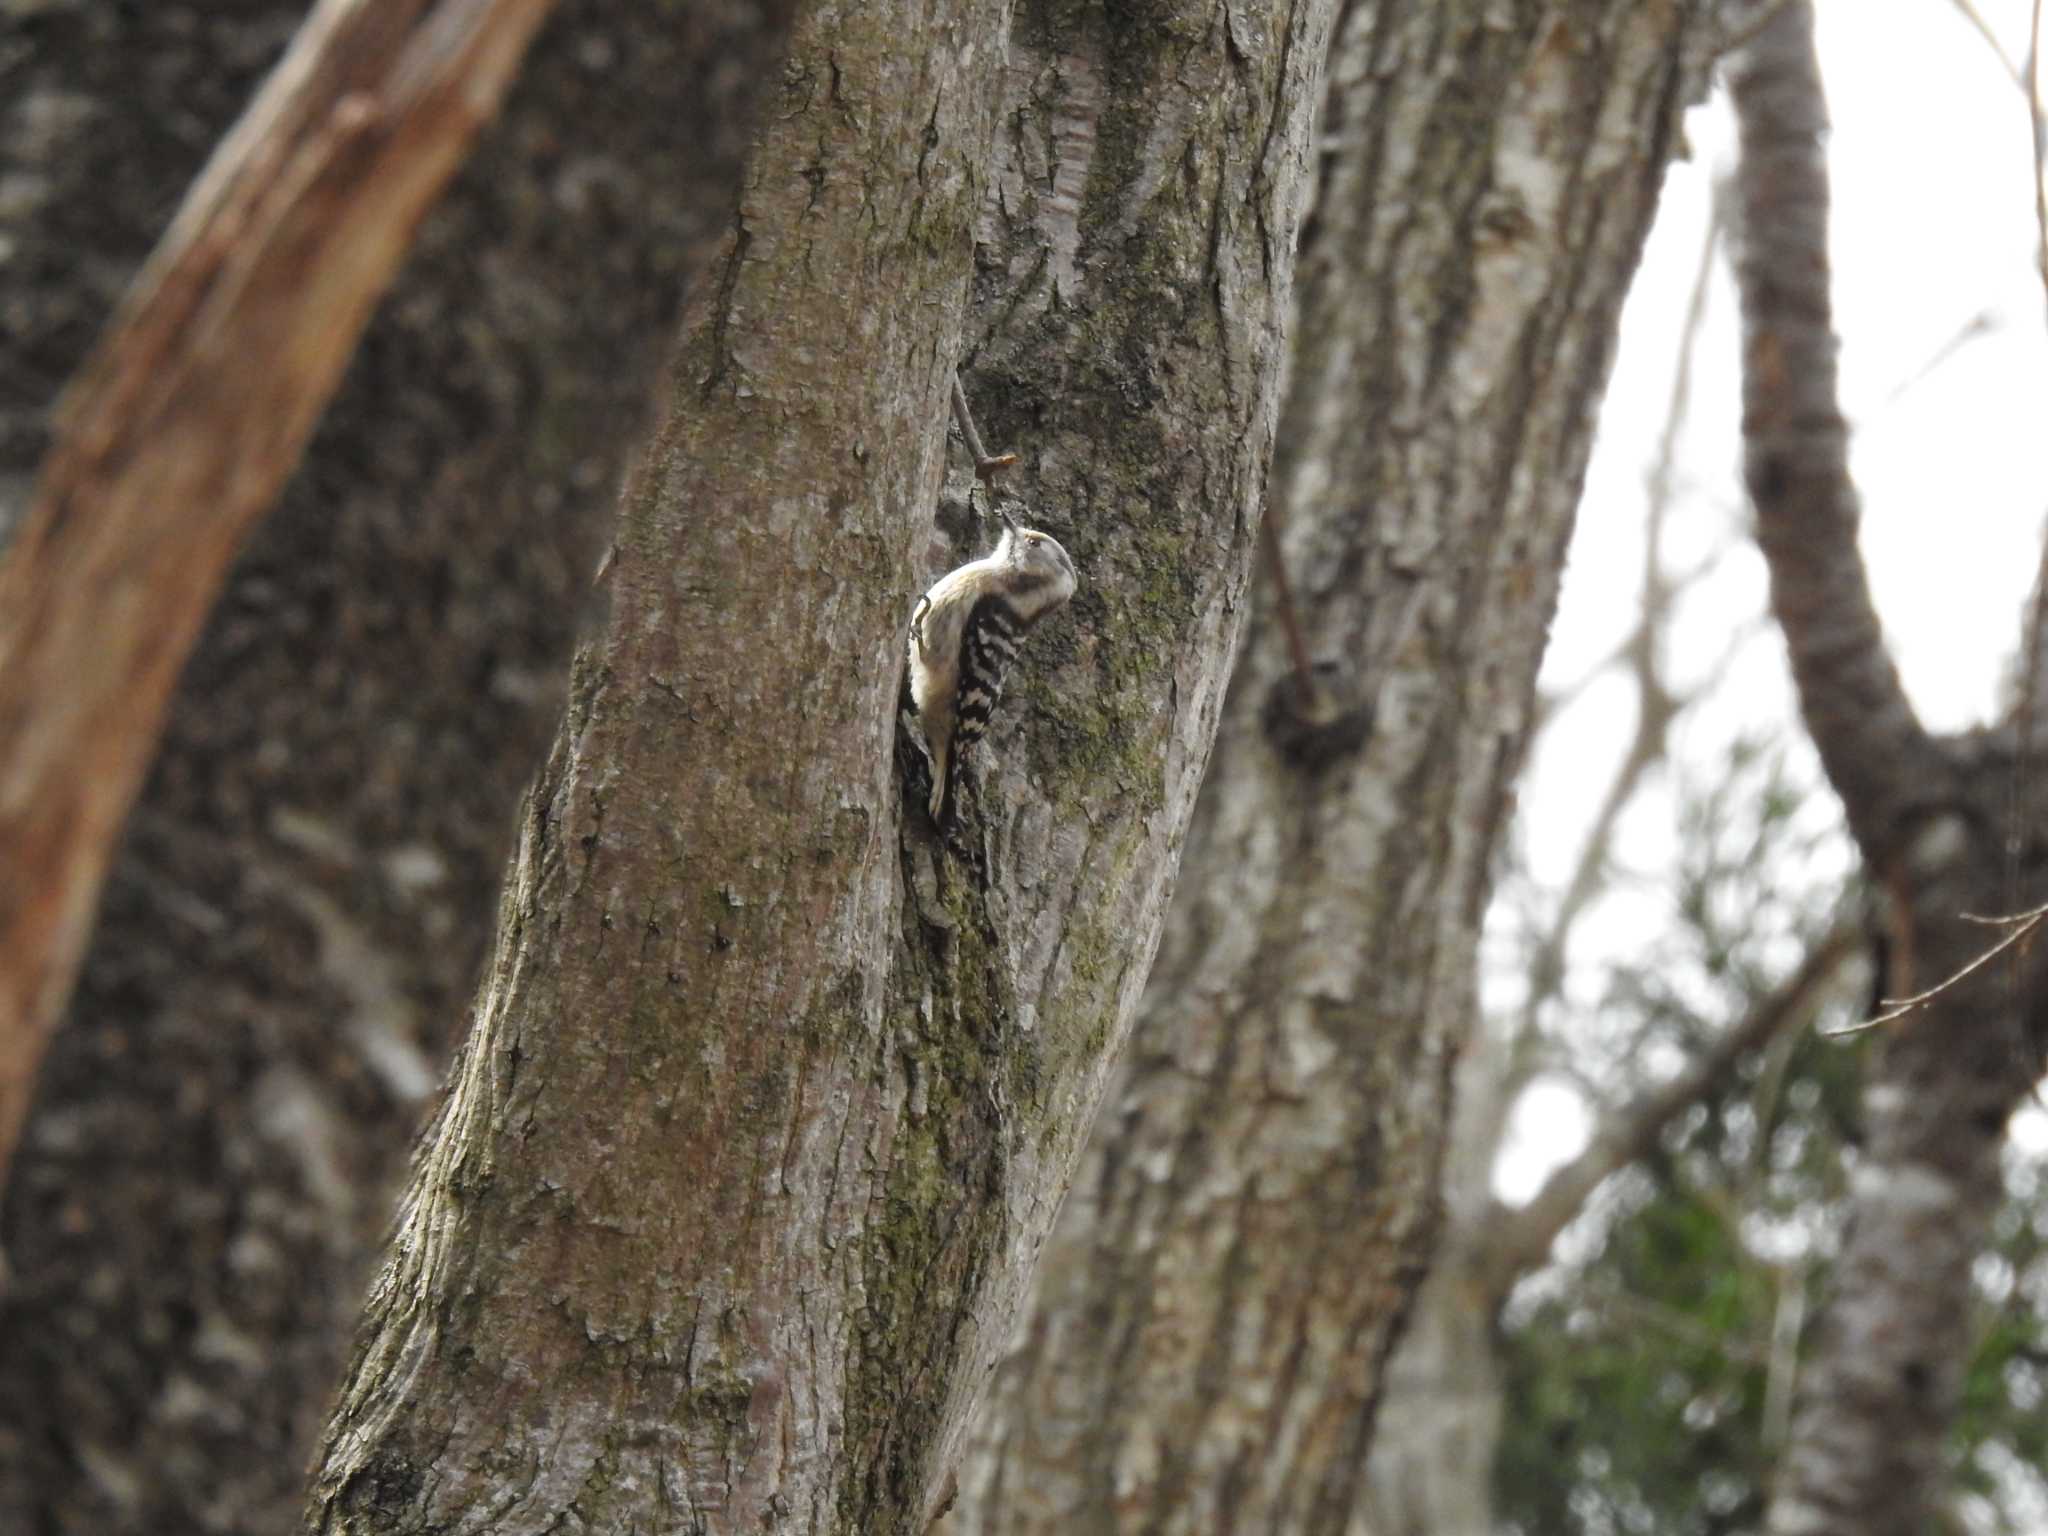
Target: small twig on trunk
986, 465
2022, 924
1314, 705
948, 1497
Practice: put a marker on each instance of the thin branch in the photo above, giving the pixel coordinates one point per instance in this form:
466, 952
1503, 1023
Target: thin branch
1678, 1324
2022, 924
1788, 1324
1554, 702
1981, 324
2039, 125
1314, 702
1522, 1237
178, 433
986, 465
1975, 18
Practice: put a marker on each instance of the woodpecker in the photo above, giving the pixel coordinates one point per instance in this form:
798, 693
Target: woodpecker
965, 634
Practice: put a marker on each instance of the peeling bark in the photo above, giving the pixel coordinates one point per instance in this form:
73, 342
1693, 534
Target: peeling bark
1931, 819
305, 890
1214, 1311
769, 1102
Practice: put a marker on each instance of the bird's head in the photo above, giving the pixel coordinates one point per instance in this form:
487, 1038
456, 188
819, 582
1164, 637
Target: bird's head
1041, 573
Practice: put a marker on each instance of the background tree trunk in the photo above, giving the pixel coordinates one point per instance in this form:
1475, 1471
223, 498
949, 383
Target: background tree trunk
1944, 826
768, 1105
1430, 1471
179, 433
302, 900
1251, 1219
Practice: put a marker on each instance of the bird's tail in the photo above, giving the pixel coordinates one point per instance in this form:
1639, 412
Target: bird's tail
942, 786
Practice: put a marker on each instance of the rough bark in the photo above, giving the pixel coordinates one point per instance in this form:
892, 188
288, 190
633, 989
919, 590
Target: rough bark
769, 1102
178, 435
1214, 1312
1430, 1469
306, 888
1932, 818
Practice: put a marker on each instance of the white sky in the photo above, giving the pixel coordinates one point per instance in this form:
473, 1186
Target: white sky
1933, 228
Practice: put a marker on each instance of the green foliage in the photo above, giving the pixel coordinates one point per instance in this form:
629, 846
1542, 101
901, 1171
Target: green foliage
1647, 1378
1635, 1411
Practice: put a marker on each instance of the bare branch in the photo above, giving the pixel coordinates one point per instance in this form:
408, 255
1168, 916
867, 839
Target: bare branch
1522, 1237
1311, 698
1975, 18
181, 429
1871, 744
1781, 1377
986, 465
2022, 925
2039, 124
1976, 328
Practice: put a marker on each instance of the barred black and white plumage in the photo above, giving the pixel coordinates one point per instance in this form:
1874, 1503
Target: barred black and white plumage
966, 633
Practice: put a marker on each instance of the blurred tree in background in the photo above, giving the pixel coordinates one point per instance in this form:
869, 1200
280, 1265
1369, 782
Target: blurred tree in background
1649, 1381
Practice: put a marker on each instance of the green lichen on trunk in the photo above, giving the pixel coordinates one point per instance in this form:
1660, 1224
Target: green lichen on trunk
647, 1188
943, 1215
1215, 1310
777, 1098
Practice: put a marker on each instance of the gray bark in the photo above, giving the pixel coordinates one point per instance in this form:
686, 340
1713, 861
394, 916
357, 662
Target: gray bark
769, 1100
304, 893
1430, 1470
1214, 1312
1932, 817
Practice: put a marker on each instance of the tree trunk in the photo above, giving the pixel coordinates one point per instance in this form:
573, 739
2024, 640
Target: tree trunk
769, 1100
1945, 827
304, 893
1430, 1472
1215, 1309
